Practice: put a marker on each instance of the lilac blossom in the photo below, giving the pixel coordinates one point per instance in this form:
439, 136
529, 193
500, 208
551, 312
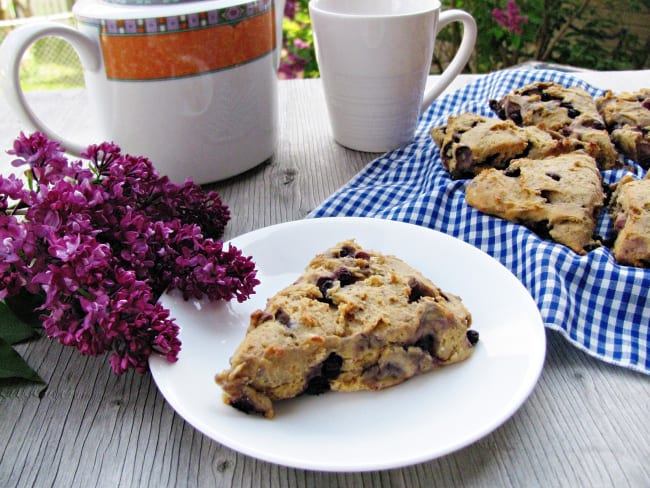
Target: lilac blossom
292, 66
101, 242
290, 8
510, 18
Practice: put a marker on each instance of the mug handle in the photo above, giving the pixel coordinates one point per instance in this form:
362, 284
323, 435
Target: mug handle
11, 53
462, 55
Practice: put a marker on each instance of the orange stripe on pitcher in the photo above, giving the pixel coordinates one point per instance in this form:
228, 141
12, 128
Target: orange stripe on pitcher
187, 53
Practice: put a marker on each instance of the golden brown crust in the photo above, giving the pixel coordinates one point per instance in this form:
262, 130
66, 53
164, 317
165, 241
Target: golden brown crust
354, 320
470, 143
627, 117
570, 111
559, 197
630, 213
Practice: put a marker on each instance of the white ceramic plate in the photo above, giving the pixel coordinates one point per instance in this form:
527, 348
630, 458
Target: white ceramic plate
421, 419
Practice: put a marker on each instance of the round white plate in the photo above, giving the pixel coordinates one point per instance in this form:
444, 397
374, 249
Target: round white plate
428, 416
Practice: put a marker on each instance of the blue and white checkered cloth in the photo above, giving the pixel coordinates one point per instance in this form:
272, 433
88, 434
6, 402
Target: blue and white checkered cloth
601, 307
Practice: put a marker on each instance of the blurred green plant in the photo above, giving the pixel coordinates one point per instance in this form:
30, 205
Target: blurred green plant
569, 32
51, 64
298, 59
511, 32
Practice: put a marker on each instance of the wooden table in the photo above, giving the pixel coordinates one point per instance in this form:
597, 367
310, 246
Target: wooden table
585, 424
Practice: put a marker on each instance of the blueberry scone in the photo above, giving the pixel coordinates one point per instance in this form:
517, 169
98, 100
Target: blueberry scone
627, 117
559, 197
354, 320
572, 112
630, 212
469, 143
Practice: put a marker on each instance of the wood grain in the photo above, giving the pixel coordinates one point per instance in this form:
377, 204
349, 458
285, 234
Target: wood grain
585, 424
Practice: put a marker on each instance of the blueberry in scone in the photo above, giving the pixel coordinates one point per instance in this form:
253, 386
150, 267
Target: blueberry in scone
629, 209
355, 319
560, 197
570, 111
469, 143
627, 118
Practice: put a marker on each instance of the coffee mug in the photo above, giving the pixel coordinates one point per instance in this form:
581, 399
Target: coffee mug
374, 57
190, 85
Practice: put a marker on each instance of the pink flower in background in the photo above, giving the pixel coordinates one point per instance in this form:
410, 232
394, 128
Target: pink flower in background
300, 44
510, 18
293, 64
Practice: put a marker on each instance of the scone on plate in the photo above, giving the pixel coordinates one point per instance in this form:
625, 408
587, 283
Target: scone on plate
469, 143
630, 212
570, 111
627, 117
354, 320
559, 197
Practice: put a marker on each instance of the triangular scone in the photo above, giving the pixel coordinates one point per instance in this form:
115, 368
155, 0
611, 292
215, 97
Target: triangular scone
627, 117
470, 143
571, 111
559, 197
630, 212
354, 320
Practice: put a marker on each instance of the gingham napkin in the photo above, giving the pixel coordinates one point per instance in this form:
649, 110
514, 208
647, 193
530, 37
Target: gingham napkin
599, 306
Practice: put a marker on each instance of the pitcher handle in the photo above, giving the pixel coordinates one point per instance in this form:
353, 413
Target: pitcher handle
11, 53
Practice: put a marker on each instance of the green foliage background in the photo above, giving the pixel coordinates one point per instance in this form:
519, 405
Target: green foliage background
578, 33
569, 32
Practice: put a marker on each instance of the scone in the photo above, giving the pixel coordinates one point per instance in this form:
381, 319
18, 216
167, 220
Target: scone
627, 117
469, 143
559, 197
354, 320
570, 111
630, 212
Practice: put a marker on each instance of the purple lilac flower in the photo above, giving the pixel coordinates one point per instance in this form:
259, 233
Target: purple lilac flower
510, 18
290, 8
293, 66
14, 271
101, 243
205, 268
44, 158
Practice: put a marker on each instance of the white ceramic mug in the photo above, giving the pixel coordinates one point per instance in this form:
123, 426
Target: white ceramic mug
374, 57
190, 85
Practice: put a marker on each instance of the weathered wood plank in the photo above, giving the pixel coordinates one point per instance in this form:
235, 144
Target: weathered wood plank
584, 425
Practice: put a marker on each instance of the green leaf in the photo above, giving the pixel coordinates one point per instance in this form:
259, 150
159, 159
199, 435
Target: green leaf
12, 329
14, 366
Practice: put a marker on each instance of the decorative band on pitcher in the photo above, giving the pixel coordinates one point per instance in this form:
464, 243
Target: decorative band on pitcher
186, 45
